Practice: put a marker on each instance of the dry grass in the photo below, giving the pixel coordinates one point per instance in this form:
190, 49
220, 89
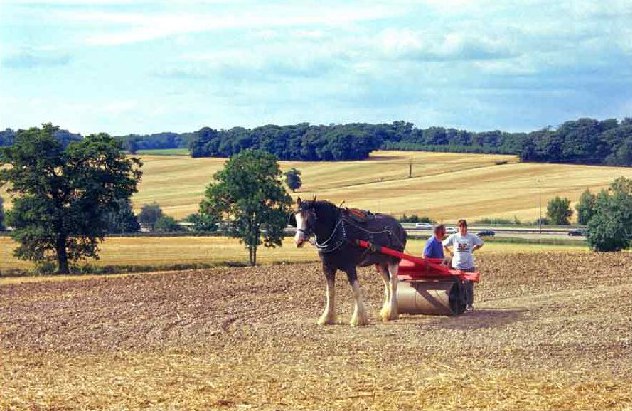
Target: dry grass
550, 333
445, 186
169, 251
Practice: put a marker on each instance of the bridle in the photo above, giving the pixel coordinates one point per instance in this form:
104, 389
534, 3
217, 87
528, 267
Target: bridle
309, 215
337, 237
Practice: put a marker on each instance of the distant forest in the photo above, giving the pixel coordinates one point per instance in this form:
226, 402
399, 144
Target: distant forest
64, 136
583, 141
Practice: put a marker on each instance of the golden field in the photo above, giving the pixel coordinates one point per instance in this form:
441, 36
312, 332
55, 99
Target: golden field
444, 186
161, 252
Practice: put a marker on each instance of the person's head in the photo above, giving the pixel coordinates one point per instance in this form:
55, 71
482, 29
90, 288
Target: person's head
439, 231
462, 224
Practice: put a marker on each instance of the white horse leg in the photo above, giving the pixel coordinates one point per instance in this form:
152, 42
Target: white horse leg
383, 270
329, 315
359, 316
391, 311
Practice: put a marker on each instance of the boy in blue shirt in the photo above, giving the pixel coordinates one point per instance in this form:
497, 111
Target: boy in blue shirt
434, 245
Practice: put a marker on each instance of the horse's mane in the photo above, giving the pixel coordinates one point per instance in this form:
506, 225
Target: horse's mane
325, 207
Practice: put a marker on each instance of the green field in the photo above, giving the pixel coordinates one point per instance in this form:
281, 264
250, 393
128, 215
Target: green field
443, 186
165, 152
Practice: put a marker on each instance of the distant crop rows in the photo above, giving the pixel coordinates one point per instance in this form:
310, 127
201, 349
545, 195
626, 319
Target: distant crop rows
443, 186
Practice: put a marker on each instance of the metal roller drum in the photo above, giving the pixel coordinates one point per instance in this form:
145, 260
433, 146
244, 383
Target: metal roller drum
430, 297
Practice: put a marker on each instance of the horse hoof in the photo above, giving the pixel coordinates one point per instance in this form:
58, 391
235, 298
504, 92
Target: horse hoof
359, 321
388, 315
326, 320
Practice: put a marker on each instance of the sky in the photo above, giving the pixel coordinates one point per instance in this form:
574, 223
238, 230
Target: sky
124, 67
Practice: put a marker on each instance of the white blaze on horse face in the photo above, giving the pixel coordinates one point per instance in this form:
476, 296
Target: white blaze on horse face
299, 238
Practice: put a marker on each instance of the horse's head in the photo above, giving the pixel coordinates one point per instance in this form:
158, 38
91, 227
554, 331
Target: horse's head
305, 214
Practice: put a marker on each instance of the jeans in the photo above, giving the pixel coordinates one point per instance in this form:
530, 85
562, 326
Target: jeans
469, 287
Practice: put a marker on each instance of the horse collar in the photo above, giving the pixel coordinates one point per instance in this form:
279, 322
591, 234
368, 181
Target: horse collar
336, 240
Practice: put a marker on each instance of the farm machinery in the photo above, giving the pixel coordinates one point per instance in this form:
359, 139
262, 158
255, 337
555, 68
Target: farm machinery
426, 285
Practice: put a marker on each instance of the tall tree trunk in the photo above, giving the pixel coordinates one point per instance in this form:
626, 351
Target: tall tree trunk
254, 256
62, 255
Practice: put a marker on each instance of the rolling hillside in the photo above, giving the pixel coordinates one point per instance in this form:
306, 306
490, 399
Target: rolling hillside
444, 186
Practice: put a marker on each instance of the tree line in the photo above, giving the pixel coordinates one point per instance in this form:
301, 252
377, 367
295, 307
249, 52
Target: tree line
64, 137
582, 141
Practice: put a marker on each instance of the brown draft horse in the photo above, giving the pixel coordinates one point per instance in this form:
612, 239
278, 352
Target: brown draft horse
336, 230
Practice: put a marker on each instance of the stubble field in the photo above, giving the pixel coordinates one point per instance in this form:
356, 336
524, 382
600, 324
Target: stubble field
443, 186
550, 331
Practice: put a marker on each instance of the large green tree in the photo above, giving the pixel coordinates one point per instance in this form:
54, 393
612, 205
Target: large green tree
610, 228
559, 211
249, 194
61, 195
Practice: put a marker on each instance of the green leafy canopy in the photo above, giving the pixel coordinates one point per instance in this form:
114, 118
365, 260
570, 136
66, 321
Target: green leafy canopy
62, 195
610, 227
248, 193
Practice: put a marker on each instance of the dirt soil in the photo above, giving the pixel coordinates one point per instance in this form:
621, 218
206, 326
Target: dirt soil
550, 331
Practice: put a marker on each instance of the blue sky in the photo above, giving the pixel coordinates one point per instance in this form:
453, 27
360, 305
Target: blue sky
149, 66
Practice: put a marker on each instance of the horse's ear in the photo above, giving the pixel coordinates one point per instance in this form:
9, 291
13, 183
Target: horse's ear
298, 201
314, 197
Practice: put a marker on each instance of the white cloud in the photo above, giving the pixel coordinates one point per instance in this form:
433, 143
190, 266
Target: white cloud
126, 27
450, 45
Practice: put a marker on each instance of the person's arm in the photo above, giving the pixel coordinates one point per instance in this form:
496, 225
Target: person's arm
446, 245
448, 250
478, 243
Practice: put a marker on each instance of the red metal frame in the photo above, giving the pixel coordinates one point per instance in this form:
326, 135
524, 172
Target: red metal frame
416, 268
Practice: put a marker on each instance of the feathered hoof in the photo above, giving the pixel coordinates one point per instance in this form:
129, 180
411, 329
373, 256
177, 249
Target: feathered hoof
388, 314
326, 319
359, 320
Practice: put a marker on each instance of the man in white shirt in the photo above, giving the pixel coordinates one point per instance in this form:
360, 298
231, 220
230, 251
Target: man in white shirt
461, 247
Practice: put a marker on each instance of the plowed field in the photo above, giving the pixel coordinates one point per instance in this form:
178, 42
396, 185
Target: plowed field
550, 331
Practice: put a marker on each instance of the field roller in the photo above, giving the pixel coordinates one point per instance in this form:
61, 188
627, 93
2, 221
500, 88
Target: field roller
426, 285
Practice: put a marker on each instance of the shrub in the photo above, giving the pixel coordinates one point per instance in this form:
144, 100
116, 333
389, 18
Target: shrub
610, 228
149, 215
167, 224
415, 219
585, 207
559, 211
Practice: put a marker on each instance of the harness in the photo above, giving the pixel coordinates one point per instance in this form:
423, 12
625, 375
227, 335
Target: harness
339, 236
